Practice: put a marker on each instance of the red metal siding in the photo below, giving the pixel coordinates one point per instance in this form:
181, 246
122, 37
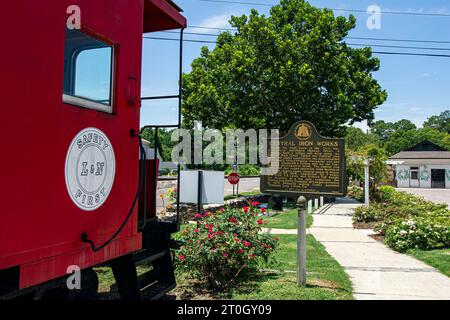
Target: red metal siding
40, 225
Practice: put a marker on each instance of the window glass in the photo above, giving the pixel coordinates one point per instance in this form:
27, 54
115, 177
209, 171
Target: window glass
414, 173
87, 72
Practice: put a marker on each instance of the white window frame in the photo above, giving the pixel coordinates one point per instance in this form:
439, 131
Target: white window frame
90, 104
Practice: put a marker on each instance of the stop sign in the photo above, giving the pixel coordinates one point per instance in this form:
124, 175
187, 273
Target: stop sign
234, 178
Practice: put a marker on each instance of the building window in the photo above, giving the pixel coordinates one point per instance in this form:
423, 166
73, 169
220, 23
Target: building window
414, 173
88, 72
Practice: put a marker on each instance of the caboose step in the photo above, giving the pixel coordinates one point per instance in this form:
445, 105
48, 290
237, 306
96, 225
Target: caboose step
157, 290
145, 257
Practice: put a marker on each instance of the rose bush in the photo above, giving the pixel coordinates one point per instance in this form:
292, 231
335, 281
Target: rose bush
224, 245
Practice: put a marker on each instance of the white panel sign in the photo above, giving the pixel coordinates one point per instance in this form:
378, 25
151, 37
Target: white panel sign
212, 187
90, 169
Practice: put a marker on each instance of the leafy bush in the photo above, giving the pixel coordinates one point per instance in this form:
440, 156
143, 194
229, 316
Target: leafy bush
356, 193
373, 213
424, 233
245, 170
386, 192
408, 222
224, 245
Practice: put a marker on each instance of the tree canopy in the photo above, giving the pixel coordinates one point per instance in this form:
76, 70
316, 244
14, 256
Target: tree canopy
275, 70
440, 122
401, 135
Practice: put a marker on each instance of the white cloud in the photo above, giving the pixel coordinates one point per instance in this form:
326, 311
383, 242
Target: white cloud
361, 125
218, 21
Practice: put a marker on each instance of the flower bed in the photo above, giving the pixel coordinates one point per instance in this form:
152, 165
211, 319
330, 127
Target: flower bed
408, 222
224, 245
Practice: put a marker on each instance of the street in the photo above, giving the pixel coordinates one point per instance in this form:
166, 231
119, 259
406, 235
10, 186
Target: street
435, 195
245, 185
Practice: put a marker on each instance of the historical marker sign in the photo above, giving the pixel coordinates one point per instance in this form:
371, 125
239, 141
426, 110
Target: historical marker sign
309, 164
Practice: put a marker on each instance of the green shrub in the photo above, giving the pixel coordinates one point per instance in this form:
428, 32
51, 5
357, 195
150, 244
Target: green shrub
246, 170
421, 232
386, 192
373, 213
407, 221
356, 193
224, 245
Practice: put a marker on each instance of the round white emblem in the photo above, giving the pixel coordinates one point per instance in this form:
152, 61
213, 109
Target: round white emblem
90, 169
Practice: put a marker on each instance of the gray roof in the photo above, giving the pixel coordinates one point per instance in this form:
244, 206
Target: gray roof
421, 155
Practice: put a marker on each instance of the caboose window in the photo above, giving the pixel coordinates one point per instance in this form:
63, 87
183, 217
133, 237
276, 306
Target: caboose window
88, 65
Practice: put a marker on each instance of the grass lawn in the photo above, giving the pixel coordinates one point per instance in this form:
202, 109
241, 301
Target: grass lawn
326, 278
243, 194
287, 220
439, 259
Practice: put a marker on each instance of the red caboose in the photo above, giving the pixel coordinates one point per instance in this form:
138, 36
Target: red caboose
71, 174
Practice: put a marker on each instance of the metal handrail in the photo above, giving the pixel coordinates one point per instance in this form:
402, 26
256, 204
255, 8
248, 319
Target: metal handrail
157, 145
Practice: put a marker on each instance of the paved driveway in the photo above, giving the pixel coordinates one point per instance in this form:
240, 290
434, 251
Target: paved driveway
435, 195
245, 185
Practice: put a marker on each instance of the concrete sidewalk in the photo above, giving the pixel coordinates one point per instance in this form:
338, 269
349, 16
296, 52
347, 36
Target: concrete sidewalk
377, 272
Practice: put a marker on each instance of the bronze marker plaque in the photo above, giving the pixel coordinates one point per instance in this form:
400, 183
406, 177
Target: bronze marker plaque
310, 165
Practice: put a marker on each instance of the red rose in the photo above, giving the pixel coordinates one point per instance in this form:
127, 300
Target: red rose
260, 221
196, 230
246, 209
263, 210
225, 254
255, 203
233, 220
251, 256
181, 257
198, 216
241, 251
246, 243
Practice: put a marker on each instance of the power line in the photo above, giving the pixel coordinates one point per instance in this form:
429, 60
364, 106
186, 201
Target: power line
334, 9
397, 47
375, 52
349, 37
401, 40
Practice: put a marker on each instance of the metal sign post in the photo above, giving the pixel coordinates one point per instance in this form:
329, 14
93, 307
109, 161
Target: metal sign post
200, 192
367, 182
301, 242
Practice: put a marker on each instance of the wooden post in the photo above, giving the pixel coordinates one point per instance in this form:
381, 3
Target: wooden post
301, 242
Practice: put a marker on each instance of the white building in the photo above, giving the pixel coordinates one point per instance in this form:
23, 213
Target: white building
425, 165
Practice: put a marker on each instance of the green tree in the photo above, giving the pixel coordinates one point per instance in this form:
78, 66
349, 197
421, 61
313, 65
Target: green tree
275, 70
356, 139
440, 122
384, 130
164, 139
402, 139
377, 166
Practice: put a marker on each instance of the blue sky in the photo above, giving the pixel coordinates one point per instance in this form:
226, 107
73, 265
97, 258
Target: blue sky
418, 87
